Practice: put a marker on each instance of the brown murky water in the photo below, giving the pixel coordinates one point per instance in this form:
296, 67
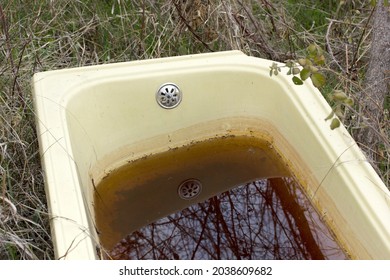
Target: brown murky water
260, 219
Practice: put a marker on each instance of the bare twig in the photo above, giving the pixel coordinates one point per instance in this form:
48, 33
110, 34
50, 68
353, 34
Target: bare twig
6, 206
183, 19
361, 38
329, 47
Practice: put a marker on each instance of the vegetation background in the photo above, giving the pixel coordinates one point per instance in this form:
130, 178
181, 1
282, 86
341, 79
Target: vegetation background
41, 35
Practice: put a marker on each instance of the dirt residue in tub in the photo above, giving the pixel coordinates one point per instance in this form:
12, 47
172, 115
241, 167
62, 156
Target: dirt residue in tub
258, 220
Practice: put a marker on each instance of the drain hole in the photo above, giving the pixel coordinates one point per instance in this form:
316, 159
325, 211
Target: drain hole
190, 189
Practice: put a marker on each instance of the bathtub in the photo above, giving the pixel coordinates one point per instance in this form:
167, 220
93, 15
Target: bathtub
93, 120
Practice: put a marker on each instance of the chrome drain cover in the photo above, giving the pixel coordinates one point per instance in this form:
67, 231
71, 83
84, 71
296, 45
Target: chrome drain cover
168, 96
190, 189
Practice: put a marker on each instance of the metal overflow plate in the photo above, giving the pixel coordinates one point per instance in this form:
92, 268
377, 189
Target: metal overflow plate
168, 96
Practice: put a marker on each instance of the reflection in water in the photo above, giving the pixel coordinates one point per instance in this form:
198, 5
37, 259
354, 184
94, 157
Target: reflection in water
262, 220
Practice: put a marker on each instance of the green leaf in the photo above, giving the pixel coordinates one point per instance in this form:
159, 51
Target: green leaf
313, 69
319, 59
318, 80
339, 95
339, 111
275, 69
305, 73
289, 63
312, 49
296, 71
302, 61
334, 124
349, 102
308, 64
329, 116
297, 81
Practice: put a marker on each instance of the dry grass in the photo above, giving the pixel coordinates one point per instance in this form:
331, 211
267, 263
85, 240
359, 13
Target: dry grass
44, 35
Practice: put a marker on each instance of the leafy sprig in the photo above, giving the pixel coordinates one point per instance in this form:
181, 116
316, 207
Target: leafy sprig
309, 67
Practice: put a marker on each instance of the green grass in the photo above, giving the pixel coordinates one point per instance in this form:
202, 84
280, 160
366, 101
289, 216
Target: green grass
312, 15
42, 35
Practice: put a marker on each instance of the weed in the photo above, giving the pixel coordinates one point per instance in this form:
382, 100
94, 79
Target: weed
41, 35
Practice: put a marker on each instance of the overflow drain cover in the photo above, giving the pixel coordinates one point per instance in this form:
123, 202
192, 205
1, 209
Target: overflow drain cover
168, 96
190, 189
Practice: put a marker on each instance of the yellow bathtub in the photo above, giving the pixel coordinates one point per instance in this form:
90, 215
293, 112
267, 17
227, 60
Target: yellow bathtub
93, 120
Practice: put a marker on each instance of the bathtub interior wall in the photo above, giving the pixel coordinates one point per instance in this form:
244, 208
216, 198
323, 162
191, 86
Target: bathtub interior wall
110, 122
